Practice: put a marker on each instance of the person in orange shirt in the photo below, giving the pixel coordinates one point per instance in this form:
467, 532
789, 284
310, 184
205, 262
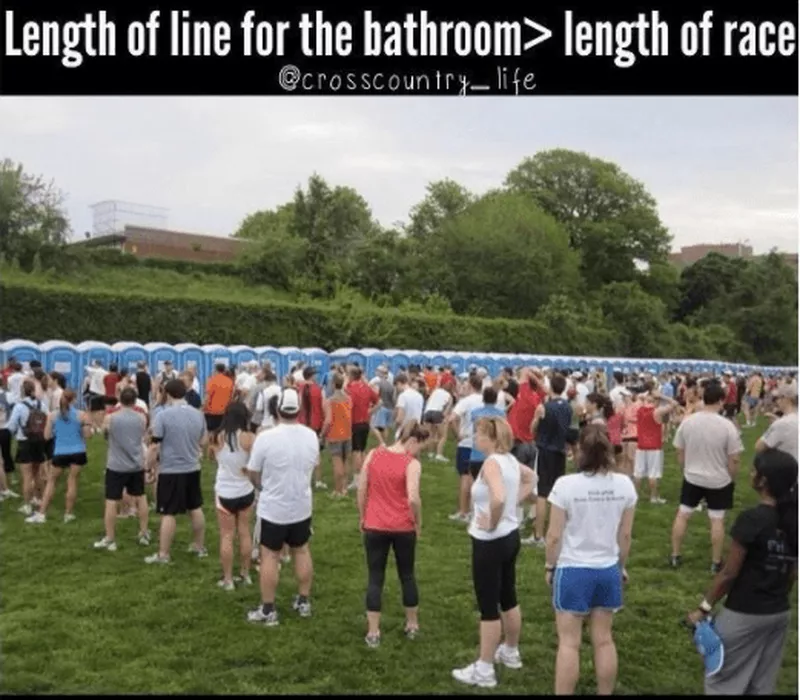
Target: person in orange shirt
431, 379
338, 431
219, 392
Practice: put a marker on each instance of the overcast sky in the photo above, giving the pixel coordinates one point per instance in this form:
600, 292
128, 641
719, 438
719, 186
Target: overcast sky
722, 169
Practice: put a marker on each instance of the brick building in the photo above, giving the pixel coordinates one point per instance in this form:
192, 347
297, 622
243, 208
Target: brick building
688, 255
170, 245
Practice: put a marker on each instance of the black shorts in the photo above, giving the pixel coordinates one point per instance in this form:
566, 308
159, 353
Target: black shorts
110, 400
178, 493
627, 441
475, 468
50, 447
66, 461
274, 536
433, 417
31, 452
360, 437
716, 499
213, 422
255, 427
573, 435
232, 506
117, 482
525, 452
730, 410
550, 466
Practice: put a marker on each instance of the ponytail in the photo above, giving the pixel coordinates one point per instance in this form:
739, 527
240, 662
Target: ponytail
787, 518
64, 403
779, 471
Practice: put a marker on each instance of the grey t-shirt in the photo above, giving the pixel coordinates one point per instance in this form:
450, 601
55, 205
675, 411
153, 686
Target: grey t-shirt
180, 428
387, 393
707, 440
782, 435
126, 430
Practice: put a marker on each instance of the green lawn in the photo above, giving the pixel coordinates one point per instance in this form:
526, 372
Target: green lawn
75, 620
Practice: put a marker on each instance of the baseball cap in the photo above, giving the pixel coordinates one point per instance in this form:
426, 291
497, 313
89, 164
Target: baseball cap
289, 402
710, 647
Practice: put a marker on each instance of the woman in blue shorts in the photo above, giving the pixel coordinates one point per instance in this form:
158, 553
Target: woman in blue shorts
588, 541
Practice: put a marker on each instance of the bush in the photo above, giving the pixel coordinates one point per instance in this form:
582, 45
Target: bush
40, 314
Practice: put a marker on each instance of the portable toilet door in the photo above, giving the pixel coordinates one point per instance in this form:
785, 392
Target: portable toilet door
23, 351
242, 354
359, 357
290, 357
91, 351
474, 360
129, 355
438, 360
374, 359
455, 361
216, 355
62, 357
397, 359
191, 356
420, 359
267, 353
338, 357
318, 359
160, 354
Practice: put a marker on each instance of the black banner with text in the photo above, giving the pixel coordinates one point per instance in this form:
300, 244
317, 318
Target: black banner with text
174, 47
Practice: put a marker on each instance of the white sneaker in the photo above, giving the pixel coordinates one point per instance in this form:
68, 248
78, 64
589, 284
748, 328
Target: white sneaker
35, 502
156, 559
269, 620
69, 517
658, 501
36, 519
441, 458
353, 485
199, 552
533, 541
507, 656
107, 544
25, 509
456, 517
243, 580
8, 493
471, 676
321, 486
226, 585
144, 539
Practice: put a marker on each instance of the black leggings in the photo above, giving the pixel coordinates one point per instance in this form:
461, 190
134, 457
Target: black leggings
494, 574
377, 545
5, 451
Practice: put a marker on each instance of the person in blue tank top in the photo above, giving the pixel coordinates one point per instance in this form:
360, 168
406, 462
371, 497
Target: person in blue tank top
68, 428
489, 409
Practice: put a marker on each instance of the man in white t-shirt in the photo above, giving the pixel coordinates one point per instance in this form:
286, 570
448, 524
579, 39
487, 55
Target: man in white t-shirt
709, 448
782, 434
246, 380
97, 392
409, 403
461, 420
270, 391
281, 464
581, 390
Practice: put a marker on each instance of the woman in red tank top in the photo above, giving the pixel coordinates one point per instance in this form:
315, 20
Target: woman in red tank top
391, 515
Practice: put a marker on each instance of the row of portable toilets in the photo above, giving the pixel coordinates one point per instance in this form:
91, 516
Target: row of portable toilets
71, 360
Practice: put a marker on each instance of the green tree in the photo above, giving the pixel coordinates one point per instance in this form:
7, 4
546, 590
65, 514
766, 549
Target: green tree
610, 217
503, 257
444, 200
32, 215
640, 320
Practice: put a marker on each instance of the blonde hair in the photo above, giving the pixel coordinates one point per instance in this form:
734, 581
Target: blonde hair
498, 431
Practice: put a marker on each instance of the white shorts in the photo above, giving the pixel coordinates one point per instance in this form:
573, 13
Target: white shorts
649, 464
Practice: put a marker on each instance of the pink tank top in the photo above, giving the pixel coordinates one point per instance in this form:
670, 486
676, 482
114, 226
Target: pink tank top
387, 497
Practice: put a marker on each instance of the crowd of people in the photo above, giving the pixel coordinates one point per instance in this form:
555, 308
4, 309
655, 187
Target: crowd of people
516, 436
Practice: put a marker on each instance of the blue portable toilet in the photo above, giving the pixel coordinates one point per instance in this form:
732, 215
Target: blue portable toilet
241, 354
62, 357
191, 356
359, 357
214, 355
455, 361
290, 357
340, 355
129, 355
24, 351
396, 360
373, 360
159, 353
317, 358
420, 359
91, 351
473, 360
267, 353
437, 360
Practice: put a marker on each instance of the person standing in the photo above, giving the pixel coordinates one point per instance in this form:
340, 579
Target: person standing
69, 429
144, 383
5, 443
219, 393
461, 418
178, 435
436, 411
312, 411
382, 417
409, 403
125, 431
390, 510
281, 464
192, 397
27, 424
96, 394
782, 434
487, 409
757, 580
649, 460
709, 448
588, 543
337, 430
501, 485
363, 399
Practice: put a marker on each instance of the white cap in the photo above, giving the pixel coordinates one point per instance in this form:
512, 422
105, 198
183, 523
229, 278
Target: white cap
289, 402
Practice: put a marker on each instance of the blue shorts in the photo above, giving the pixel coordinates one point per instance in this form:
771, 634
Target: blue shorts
752, 402
462, 460
580, 590
382, 418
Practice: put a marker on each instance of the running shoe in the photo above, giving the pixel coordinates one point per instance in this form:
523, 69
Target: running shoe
226, 585
303, 608
373, 640
470, 675
199, 552
36, 519
107, 544
507, 656
69, 517
156, 559
269, 619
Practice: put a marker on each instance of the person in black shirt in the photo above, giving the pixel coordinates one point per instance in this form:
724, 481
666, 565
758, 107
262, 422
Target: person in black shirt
144, 384
192, 397
757, 578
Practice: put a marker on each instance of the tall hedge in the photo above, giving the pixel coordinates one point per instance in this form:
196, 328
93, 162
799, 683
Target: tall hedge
41, 314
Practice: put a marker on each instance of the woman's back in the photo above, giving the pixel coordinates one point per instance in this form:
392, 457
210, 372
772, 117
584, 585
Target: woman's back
341, 427
232, 481
594, 505
67, 433
387, 507
509, 521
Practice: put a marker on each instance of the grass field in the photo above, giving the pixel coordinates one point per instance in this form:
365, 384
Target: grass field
75, 620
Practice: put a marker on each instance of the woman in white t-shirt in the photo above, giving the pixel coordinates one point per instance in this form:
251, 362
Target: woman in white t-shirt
437, 409
588, 542
501, 485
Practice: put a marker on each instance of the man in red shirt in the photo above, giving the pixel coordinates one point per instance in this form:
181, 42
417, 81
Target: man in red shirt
731, 398
312, 414
110, 382
364, 400
649, 460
